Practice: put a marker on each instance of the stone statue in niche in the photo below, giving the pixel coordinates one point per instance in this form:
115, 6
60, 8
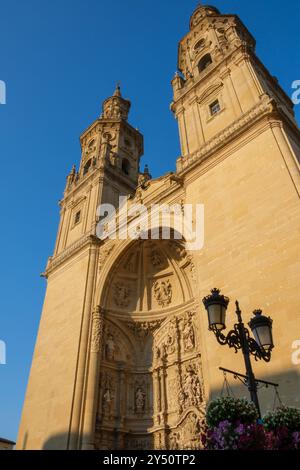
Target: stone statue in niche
156, 258
110, 348
140, 400
163, 292
108, 397
188, 335
121, 294
174, 441
191, 388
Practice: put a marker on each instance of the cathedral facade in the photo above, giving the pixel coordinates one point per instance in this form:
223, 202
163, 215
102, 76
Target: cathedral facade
124, 358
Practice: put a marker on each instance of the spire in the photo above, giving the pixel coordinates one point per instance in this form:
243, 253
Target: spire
116, 107
117, 91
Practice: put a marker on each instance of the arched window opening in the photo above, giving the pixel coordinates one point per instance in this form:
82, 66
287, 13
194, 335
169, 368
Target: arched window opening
125, 166
87, 167
204, 62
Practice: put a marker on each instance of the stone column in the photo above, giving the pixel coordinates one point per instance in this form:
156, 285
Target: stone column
164, 404
156, 407
76, 416
89, 423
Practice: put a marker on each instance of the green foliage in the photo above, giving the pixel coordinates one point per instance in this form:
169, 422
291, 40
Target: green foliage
283, 417
231, 409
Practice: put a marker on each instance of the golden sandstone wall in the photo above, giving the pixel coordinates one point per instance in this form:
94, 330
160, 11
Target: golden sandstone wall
251, 252
47, 410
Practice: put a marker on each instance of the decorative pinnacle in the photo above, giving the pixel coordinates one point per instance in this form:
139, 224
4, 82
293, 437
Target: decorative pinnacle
117, 91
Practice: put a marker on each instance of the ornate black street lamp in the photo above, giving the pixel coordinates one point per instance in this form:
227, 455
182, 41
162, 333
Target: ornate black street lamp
239, 338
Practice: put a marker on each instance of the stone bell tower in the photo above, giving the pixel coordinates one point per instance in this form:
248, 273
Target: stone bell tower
109, 167
111, 151
221, 83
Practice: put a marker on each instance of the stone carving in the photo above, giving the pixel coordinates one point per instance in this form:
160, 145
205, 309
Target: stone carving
174, 440
110, 347
173, 393
265, 106
178, 250
71, 177
121, 294
140, 401
156, 258
104, 254
108, 397
193, 270
163, 292
187, 437
169, 346
190, 394
143, 329
188, 334
97, 330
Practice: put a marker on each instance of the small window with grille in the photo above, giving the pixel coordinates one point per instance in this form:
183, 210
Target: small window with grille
77, 218
215, 107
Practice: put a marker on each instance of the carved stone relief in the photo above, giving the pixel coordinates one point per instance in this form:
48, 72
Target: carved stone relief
105, 251
108, 396
143, 329
97, 330
110, 347
163, 292
188, 435
121, 294
140, 400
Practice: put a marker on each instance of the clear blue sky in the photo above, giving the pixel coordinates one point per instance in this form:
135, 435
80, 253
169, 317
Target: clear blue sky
60, 59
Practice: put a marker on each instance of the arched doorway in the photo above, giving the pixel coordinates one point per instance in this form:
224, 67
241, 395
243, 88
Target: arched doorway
151, 392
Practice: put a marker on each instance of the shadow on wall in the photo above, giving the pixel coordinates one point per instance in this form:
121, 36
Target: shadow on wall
289, 386
57, 442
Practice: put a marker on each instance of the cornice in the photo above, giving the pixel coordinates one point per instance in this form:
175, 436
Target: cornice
55, 261
266, 106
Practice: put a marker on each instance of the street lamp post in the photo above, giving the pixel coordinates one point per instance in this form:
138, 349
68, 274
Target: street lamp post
239, 338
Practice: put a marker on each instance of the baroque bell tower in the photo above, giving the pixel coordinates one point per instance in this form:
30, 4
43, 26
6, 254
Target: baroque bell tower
109, 167
221, 83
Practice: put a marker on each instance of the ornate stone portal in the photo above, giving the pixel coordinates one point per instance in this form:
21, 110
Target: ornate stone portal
151, 387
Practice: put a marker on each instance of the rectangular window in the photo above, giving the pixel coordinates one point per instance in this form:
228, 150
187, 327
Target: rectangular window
215, 108
77, 218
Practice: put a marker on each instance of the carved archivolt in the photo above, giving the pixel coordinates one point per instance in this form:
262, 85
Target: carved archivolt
150, 276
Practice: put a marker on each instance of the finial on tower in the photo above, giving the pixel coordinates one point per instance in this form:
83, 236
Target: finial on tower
117, 91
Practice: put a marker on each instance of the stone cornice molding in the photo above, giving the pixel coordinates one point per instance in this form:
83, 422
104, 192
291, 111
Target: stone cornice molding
266, 106
55, 261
